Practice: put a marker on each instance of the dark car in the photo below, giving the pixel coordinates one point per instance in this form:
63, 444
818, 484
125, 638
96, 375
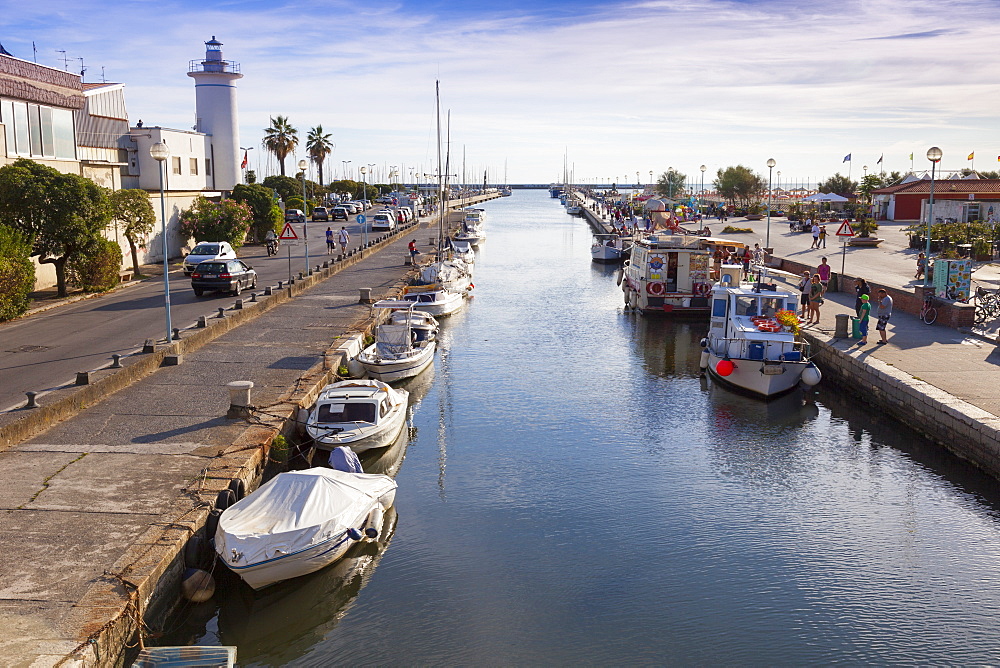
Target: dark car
320, 213
231, 276
340, 213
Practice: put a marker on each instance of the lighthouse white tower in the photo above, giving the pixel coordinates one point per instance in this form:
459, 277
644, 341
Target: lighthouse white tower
215, 106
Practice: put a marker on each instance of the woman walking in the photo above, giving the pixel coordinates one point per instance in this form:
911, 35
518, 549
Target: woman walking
815, 299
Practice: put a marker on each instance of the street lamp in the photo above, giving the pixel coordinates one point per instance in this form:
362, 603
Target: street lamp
245, 150
303, 164
670, 183
364, 198
770, 168
160, 153
651, 176
934, 155
701, 195
346, 163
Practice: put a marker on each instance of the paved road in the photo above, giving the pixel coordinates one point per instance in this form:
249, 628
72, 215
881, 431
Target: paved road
46, 350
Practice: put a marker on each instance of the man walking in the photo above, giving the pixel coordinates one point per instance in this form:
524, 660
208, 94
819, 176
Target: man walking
815, 235
883, 313
344, 238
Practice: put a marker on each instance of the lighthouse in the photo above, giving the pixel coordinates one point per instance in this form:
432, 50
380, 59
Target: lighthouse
217, 113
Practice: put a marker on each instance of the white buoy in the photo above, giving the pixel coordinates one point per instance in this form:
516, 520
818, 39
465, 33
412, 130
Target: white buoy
811, 375
703, 362
355, 369
197, 586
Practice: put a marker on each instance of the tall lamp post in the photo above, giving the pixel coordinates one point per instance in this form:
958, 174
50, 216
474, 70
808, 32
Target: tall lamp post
770, 169
305, 234
934, 155
670, 183
701, 195
246, 150
160, 153
364, 198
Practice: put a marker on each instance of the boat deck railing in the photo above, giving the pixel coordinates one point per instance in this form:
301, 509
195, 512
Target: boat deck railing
760, 349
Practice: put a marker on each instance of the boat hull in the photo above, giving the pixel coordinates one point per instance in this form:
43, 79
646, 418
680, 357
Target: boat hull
608, 255
379, 436
397, 369
749, 375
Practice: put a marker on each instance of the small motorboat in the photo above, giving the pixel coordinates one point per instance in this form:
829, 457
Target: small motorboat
300, 522
454, 275
610, 249
434, 299
422, 324
462, 250
396, 353
361, 414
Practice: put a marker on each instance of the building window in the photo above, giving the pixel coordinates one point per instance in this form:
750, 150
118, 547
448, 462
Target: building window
176, 162
208, 167
38, 131
194, 166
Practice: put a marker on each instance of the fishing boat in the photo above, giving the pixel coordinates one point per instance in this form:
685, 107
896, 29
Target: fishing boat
472, 229
752, 341
361, 414
672, 274
396, 354
434, 299
422, 324
462, 250
610, 248
300, 522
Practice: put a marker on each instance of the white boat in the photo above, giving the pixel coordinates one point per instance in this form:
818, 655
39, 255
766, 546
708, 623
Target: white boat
462, 250
473, 227
573, 209
746, 346
396, 354
434, 300
361, 414
422, 324
454, 275
301, 521
610, 249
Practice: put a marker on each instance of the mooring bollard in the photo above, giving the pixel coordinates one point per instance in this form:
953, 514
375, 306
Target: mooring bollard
280, 285
840, 330
202, 322
238, 305
267, 291
239, 398
149, 346
116, 362
366, 296
253, 296
83, 378
177, 334
31, 400
301, 275
222, 312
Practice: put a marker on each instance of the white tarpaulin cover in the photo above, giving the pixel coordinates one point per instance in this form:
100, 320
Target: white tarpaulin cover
295, 511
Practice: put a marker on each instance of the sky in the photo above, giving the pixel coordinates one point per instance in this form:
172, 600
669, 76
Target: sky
610, 89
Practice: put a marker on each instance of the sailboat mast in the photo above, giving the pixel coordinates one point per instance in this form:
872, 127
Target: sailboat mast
437, 106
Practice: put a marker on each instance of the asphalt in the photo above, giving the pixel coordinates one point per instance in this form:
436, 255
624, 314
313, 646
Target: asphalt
95, 506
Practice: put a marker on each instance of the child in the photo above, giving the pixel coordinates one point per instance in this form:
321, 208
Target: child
863, 313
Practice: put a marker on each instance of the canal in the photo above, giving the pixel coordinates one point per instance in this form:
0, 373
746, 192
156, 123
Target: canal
573, 492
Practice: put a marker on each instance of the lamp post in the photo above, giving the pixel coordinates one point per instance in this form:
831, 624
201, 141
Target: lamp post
305, 234
160, 153
651, 176
364, 198
670, 183
701, 195
770, 168
934, 155
245, 151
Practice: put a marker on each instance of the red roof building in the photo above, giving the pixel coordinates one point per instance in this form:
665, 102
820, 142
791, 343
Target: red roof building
964, 200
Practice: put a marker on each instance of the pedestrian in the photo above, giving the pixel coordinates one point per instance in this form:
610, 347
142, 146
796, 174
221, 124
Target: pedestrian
343, 237
329, 240
816, 292
413, 251
921, 266
815, 235
804, 294
863, 313
822, 236
883, 313
823, 270
861, 290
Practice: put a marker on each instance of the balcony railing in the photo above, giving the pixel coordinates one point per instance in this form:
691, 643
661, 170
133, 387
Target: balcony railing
227, 66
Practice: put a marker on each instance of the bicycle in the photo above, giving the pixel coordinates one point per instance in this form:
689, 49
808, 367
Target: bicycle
927, 312
987, 305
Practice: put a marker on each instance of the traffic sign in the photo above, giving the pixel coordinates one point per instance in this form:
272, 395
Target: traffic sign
362, 219
288, 234
845, 230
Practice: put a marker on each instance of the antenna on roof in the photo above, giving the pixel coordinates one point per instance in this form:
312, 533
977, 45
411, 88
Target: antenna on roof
103, 78
64, 58
82, 69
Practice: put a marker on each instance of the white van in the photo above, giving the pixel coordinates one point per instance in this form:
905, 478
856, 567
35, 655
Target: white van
383, 222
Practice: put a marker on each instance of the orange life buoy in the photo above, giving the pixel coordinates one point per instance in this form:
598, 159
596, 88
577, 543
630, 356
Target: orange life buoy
702, 289
654, 288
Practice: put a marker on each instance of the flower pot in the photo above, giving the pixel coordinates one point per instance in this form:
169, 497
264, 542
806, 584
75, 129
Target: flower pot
754, 216
865, 242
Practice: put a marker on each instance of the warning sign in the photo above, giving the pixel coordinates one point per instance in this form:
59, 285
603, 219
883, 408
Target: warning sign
288, 234
845, 230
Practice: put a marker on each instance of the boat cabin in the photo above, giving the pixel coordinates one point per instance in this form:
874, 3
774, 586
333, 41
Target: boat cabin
351, 406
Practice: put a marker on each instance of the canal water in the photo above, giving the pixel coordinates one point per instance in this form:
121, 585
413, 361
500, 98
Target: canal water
573, 492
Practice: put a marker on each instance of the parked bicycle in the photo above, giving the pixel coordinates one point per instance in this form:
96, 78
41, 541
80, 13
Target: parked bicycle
987, 305
928, 312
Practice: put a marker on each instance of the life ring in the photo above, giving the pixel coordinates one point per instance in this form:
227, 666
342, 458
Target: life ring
654, 288
702, 289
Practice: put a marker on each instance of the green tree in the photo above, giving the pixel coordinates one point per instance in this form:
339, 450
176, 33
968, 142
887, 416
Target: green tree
17, 273
263, 208
739, 185
97, 267
281, 139
63, 213
285, 186
131, 207
670, 184
251, 176
206, 220
839, 185
319, 145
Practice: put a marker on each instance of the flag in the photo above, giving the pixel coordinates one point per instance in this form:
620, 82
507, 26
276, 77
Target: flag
911, 156
244, 165
880, 159
847, 158
971, 156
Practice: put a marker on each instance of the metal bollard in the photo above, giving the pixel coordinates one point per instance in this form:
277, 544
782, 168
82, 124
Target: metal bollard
253, 296
267, 291
83, 378
116, 362
177, 334
239, 398
222, 312
280, 285
366, 296
149, 346
301, 275
31, 400
202, 322
238, 305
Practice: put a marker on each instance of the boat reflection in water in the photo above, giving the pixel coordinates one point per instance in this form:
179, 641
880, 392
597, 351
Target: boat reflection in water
669, 348
277, 625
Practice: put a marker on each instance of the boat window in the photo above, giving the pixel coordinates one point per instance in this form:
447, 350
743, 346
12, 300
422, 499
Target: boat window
353, 412
718, 308
747, 306
383, 408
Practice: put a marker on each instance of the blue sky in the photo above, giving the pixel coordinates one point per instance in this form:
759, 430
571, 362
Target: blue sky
620, 87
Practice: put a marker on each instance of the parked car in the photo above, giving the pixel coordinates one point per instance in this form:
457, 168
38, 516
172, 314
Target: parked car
231, 276
207, 250
350, 207
320, 213
385, 199
340, 213
383, 221
295, 216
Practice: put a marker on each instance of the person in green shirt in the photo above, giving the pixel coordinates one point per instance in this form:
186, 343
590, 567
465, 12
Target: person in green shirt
863, 312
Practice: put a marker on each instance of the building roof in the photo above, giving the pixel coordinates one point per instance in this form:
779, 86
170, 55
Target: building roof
94, 86
973, 186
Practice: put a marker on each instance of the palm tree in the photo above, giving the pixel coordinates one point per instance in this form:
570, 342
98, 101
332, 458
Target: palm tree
318, 145
281, 139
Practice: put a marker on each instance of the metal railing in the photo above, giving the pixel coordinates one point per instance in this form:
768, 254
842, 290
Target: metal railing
220, 66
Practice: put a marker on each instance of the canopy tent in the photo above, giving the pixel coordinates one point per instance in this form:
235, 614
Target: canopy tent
824, 197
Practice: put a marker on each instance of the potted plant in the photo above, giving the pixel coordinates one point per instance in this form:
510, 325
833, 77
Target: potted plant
982, 250
864, 228
755, 212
